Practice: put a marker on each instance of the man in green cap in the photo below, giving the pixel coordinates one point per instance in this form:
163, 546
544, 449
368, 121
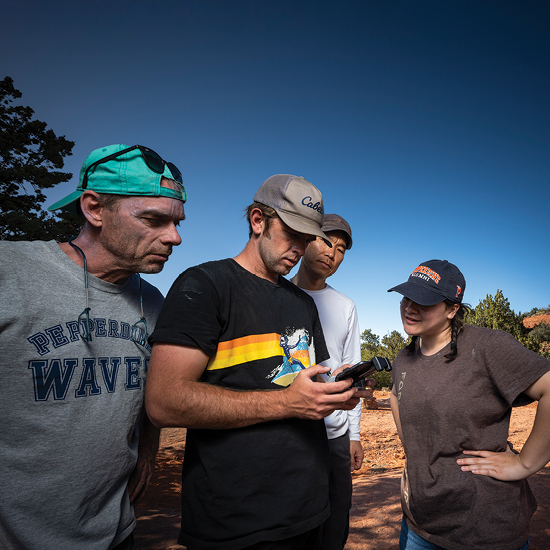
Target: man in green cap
78, 449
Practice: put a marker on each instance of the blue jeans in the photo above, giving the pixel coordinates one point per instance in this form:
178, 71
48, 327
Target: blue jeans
409, 540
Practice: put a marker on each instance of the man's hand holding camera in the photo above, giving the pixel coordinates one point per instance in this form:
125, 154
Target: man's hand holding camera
311, 400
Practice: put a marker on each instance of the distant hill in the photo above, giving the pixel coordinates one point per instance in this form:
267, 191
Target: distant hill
532, 322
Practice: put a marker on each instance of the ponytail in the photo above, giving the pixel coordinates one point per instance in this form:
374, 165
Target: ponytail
411, 346
457, 323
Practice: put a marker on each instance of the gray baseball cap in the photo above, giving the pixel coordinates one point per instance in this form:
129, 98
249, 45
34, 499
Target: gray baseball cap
298, 203
334, 222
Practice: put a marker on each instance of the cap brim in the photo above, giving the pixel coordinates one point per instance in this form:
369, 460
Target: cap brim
419, 294
328, 227
66, 203
303, 225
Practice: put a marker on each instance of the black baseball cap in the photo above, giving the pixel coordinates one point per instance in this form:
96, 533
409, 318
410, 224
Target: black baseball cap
433, 282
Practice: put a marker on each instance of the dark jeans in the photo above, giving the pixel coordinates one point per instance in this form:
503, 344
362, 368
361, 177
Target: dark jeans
336, 527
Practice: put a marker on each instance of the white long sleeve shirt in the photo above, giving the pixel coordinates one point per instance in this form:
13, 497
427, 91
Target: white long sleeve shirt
341, 329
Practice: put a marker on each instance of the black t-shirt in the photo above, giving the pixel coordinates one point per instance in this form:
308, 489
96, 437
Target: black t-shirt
268, 481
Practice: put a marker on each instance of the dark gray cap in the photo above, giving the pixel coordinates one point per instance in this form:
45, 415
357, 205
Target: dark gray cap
334, 222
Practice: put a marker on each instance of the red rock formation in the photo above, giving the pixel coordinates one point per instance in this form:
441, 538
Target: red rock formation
532, 322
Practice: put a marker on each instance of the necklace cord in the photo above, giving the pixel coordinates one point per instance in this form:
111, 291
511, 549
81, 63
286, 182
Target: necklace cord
86, 270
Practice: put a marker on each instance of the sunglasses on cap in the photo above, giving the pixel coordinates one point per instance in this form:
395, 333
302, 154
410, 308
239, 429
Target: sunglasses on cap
153, 160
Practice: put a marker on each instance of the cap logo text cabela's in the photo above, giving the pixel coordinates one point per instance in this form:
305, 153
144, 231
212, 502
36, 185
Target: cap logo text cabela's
425, 272
308, 201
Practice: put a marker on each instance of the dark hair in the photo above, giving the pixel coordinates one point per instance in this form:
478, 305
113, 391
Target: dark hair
268, 213
457, 322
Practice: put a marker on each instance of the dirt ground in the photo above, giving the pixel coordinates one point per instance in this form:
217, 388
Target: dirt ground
376, 510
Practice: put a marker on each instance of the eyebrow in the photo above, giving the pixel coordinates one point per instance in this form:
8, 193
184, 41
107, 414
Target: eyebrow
151, 211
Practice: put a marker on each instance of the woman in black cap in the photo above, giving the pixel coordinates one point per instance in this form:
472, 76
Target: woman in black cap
454, 385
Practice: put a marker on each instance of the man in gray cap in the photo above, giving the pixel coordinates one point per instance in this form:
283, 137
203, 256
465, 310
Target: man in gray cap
341, 328
76, 448
234, 359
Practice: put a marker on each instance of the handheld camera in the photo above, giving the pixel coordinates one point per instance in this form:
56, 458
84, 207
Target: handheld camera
361, 371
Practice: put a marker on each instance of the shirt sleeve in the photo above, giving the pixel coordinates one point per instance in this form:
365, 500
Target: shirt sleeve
321, 350
190, 314
352, 355
512, 367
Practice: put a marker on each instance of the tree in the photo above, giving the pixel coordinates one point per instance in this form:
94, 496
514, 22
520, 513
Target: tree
389, 347
31, 157
370, 345
495, 312
539, 337
392, 343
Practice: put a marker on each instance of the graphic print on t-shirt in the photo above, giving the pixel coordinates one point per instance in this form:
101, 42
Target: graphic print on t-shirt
296, 358
293, 348
68, 366
400, 386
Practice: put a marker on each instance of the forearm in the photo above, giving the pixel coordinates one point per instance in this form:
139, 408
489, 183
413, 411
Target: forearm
147, 450
201, 405
148, 434
354, 419
507, 465
175, 396
536, 451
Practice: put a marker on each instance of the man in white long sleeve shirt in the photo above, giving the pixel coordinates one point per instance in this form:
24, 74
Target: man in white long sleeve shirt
341, 328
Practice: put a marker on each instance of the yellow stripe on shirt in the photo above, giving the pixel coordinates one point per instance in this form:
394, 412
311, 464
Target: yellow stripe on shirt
246, 349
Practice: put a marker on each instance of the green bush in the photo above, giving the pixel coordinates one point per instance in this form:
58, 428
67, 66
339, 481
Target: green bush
383, 380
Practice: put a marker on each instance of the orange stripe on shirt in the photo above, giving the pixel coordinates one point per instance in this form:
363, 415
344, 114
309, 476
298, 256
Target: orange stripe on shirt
246, 349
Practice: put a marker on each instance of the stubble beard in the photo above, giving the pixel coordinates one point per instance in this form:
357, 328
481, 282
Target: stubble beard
127, 259
272, 263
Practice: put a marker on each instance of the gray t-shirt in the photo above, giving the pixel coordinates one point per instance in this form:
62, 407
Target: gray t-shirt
68, 443
445, 407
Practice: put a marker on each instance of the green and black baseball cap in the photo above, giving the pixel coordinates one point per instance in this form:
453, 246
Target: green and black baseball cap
125, 170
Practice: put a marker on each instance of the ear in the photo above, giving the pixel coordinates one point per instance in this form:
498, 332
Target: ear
91, 208
257, 221
451, 311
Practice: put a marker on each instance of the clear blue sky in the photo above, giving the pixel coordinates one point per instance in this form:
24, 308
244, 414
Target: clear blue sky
426, 124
